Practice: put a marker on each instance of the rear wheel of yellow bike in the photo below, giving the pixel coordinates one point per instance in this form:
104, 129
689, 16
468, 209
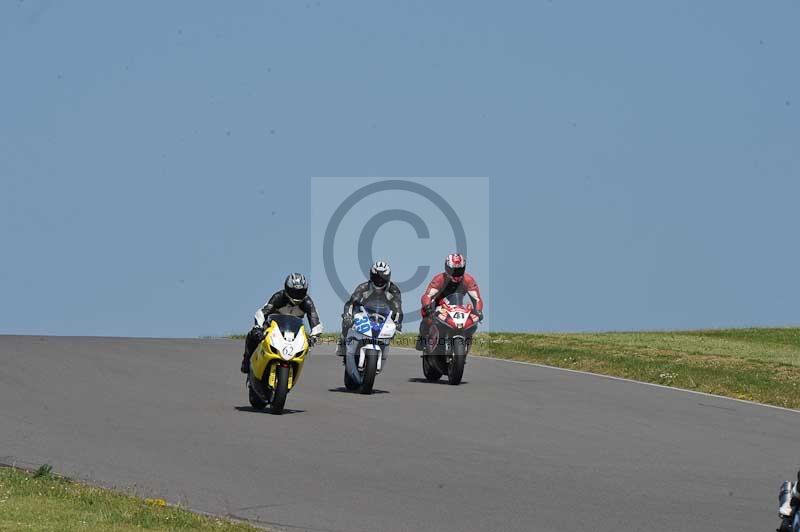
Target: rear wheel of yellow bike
255, 401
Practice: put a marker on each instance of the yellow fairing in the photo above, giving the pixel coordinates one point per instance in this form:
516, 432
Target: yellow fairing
266, 360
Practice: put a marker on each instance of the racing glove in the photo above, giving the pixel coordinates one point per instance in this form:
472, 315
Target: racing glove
347, 321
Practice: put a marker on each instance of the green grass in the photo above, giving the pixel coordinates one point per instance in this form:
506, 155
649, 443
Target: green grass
44, 502
760, 365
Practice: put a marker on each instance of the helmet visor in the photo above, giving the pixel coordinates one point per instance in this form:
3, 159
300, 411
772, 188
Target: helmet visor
296, 294
457, 272
378, 280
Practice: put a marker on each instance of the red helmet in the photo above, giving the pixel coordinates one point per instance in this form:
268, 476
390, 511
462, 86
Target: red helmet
454, 266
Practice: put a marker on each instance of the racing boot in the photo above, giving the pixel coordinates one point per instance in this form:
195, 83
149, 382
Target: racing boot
785, 497
422, 337
340, 347
254, 338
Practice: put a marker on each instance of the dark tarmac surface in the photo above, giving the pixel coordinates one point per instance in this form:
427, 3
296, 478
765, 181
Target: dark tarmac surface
515, 448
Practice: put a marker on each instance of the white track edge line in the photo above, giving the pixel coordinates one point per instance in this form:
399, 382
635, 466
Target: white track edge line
623, 379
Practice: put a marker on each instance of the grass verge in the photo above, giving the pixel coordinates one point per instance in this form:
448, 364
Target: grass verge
41, 501
761, 365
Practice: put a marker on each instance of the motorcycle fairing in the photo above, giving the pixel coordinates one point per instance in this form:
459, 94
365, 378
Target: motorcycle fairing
279, 348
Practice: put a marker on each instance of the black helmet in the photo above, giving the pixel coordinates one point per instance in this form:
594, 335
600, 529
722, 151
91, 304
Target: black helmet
296, 287
380, 274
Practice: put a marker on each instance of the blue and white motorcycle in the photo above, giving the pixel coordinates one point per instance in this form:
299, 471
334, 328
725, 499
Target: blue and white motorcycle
367, 343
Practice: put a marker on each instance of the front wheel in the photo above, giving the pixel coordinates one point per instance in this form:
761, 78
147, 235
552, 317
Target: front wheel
456, 370
281, 389
370, 370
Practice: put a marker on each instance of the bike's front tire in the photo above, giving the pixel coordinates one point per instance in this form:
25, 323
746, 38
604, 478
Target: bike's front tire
281, 389
370, 370
459, 359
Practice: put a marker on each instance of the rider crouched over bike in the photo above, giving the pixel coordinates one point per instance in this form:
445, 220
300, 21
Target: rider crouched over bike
379, 289
454, 280
293, 300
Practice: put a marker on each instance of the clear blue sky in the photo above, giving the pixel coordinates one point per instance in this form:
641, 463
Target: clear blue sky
644, 156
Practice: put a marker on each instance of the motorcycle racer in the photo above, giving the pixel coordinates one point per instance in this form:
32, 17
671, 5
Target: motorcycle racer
293, 300
379, 286
453, 280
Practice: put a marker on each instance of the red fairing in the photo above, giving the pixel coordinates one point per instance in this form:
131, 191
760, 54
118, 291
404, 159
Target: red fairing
457, 317
434, 293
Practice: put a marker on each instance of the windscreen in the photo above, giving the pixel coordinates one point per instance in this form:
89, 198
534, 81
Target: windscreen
377, 308
458, 298
286, 323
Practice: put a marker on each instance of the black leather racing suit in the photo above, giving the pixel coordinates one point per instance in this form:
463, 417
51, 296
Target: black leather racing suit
279, 303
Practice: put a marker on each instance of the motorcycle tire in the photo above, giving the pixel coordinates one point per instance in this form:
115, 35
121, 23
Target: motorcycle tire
349, 383
281, 389
430, 372
459, 359
255, 401
370, 370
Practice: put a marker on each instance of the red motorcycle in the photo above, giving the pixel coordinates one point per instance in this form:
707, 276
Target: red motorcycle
449, 339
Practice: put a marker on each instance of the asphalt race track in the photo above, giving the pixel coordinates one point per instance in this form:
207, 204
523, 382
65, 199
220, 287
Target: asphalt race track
515, 448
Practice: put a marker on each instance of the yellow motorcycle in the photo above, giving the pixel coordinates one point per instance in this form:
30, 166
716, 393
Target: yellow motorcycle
277, 363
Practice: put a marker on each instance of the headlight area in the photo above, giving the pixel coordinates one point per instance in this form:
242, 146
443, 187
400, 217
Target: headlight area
300, 344
271, 349
287, 350
281, 349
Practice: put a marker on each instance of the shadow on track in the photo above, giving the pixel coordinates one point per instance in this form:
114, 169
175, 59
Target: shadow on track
443, 380
286, 411
342, 389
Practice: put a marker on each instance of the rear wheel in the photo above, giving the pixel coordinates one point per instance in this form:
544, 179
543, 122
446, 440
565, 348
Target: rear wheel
428, 369
255, 401
281, 389
349, 383
370, 370
456, 370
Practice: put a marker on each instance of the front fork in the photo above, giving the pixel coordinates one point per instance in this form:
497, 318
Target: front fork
450, 340
362, 357
273, 372
447, 344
